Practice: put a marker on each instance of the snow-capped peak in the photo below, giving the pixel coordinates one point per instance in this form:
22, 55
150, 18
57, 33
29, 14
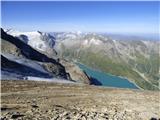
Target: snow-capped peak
17, 33
78, 32
36, 39
92, 41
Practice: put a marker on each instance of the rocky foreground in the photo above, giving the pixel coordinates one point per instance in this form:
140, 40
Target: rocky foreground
33, 100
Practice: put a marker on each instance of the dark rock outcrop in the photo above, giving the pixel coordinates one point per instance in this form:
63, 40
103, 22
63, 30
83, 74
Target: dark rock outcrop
57, 68
14, 46
11, 66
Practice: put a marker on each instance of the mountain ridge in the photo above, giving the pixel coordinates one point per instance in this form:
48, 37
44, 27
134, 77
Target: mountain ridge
138, 60
118, 57
18, 53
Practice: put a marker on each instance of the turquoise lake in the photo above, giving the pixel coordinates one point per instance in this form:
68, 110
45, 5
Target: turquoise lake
103, 79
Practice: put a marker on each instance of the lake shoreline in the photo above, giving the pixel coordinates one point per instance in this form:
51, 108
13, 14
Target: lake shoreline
124, 78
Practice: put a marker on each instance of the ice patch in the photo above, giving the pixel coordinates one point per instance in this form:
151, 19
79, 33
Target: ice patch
49, 79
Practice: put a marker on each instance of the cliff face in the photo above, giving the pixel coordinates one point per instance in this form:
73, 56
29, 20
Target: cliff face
47, 100
76, 74
22, 60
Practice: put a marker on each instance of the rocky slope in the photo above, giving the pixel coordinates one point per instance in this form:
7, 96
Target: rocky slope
25, 100
76, 74
20, 60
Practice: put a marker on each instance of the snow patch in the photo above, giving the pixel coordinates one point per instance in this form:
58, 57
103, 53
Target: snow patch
48, 79
25, 62
37, 40
92, 41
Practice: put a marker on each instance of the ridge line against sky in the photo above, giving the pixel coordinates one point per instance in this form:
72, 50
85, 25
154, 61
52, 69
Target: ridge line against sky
114, 17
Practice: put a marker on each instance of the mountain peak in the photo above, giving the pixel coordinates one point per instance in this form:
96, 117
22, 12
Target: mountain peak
36, 39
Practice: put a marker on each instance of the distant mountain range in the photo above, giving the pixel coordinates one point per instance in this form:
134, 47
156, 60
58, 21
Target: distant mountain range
137, 60
133, 58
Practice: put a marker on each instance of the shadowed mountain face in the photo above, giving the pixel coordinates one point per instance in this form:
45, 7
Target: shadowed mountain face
25, 51
24, 38
20, 59
95, 81
20, 69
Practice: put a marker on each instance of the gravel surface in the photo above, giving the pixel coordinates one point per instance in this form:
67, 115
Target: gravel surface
37, 100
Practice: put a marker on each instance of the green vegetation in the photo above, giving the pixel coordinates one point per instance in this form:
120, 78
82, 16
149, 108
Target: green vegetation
117, 67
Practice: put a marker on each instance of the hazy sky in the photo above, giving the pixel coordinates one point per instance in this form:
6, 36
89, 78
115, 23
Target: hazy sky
115, 17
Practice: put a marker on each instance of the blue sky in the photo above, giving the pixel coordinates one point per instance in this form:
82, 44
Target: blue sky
113, 17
